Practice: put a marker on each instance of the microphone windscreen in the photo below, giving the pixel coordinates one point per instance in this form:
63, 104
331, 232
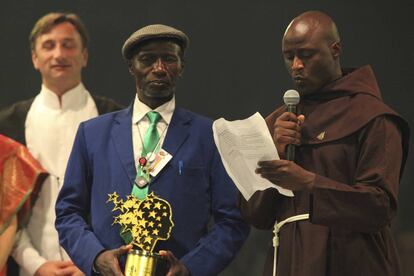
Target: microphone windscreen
291, 97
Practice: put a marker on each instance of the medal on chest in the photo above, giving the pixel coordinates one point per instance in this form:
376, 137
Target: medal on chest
150, 165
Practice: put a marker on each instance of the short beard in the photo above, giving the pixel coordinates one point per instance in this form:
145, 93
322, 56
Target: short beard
159, 94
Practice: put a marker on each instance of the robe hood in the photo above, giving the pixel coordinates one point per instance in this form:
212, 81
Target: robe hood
343, 107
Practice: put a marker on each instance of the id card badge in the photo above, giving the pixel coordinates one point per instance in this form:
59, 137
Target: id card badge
160, 160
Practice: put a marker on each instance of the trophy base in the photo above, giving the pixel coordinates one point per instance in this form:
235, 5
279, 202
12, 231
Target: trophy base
143, 263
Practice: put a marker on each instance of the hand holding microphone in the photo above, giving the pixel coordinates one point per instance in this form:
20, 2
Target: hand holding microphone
287, 135
287, 126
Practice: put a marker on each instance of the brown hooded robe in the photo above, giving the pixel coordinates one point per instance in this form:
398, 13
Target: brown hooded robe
356, 146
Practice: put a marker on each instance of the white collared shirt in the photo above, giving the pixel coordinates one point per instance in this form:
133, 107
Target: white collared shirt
140, 123
50, 131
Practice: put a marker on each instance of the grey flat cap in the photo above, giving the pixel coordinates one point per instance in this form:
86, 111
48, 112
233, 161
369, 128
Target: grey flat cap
153, 31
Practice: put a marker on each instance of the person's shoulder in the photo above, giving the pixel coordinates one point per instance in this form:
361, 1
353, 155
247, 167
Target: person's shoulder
106, 119
195, 117
16, 108
105, 105
12, 119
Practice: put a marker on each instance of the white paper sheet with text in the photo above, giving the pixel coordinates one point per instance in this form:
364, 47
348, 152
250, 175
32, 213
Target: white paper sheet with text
241, 144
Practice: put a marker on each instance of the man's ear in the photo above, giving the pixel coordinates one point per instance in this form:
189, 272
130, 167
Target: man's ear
35, 60
182, 69
129, 63
336, 49
85, 54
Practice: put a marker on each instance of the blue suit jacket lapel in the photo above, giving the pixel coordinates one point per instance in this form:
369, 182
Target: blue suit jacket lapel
122, 136
177, 133
178, 130
121, 133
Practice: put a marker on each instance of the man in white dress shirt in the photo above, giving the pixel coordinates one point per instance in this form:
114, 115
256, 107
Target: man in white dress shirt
47, 124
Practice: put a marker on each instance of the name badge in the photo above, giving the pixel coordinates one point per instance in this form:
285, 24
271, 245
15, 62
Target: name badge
161, 159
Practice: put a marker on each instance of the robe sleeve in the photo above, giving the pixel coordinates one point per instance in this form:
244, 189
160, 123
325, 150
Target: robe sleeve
370, 202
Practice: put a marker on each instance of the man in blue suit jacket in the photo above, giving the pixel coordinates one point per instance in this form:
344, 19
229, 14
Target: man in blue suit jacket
105, 157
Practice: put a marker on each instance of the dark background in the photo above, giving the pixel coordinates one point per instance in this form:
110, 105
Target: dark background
233, 68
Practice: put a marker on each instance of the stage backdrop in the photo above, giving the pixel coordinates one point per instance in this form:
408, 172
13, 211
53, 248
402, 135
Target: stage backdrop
233, 67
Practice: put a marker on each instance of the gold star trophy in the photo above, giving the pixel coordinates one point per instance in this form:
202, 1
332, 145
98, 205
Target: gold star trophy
143, 223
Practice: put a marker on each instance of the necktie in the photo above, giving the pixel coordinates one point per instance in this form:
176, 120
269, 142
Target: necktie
149, 149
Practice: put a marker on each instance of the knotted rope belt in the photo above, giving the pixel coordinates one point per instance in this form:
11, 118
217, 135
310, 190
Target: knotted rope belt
276, 230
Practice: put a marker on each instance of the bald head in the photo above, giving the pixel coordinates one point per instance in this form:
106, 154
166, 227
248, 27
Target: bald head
311, 49
315, 22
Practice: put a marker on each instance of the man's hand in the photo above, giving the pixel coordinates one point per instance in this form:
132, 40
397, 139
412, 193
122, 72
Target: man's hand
286, 174
58, 268
72, 270
176, 268
287, 130
77, 272
107, 262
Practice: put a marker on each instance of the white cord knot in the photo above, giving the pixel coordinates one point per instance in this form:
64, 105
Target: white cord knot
276, 230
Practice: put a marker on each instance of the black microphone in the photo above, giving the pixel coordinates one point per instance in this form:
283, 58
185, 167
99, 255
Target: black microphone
291, 99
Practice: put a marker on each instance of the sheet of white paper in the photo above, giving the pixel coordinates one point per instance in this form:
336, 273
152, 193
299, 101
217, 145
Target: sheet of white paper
241, 144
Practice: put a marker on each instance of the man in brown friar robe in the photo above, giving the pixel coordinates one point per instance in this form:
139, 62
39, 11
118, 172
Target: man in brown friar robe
350, 153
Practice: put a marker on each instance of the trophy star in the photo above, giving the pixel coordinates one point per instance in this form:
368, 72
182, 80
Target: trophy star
131, 198
150, 198
141, 219
128, 217
148, 239
138, 244
136, 233
142, 222
131, 209
125, 218
129, 225
112, 197
116, 220
129, 204
118, 205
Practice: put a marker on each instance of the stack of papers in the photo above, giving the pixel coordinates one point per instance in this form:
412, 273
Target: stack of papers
241, 144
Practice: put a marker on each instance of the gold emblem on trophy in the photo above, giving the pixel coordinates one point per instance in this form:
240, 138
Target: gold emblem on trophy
143, 223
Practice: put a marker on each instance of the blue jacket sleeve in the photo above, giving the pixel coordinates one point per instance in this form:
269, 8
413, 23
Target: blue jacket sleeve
72, 208
228, 233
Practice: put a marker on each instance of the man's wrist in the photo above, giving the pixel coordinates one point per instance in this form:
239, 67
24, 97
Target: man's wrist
94, 266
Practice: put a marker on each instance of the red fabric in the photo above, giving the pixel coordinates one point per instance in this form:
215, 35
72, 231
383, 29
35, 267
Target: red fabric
19, 174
